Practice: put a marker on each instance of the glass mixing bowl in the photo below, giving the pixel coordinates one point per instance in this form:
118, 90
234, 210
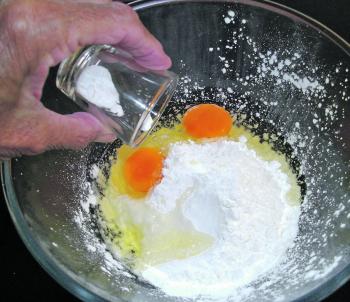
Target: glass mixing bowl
279, 72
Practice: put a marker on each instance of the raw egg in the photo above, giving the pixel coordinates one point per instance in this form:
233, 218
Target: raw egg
207, 121
143, 169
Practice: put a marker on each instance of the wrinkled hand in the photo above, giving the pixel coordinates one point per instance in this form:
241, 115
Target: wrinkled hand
35, 35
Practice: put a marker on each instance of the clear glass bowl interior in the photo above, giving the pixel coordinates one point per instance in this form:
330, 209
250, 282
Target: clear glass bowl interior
281, 71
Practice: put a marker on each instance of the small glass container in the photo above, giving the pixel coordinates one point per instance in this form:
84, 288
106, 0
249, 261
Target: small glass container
125, 97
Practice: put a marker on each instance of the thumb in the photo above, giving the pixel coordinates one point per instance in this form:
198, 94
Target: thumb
75, 131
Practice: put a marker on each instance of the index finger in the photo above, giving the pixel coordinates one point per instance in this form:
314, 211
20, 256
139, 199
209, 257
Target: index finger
118, 24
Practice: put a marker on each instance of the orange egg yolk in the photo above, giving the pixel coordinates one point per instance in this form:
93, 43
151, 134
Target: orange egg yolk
143, 169
207, 121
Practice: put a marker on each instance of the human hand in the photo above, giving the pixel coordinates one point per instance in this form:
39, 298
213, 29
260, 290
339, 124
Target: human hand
36, 35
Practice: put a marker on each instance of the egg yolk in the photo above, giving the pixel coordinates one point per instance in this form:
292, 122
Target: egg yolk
207, 121
143, 169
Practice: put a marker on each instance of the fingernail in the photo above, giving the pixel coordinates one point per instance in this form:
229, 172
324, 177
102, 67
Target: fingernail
106, 138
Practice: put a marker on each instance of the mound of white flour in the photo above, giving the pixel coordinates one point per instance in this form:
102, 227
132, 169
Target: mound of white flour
225, 190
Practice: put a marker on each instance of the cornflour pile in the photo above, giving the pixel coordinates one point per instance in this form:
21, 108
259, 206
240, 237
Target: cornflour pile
226, 191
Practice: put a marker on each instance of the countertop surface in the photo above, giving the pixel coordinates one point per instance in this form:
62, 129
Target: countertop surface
22, 277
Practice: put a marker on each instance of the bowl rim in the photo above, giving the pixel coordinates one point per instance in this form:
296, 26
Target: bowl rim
89, 292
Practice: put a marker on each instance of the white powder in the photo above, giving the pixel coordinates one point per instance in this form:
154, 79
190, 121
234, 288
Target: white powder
94, 247
226, 191
231, 13
227, 20
95, 84
147, 123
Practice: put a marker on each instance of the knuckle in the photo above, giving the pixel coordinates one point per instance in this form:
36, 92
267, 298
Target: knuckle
125, 12
83, 139
37, 148
25, 145
35, 140
131, 12
34, 145
124, 8
16, 16
74, 140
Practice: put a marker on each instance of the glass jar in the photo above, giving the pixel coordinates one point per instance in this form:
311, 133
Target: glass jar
125, 97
